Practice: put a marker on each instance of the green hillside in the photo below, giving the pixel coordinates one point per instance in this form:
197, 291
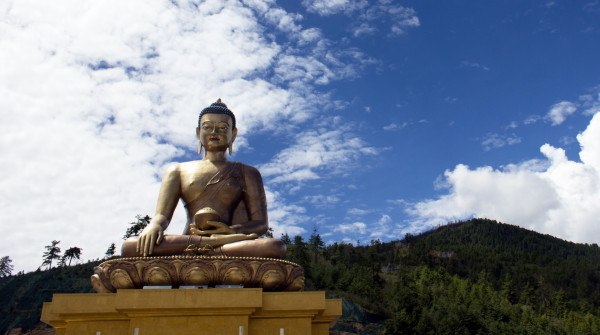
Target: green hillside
21, 296
508, 254
473, 277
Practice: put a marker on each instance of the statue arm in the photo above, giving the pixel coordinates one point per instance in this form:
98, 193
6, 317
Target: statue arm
256, 204
170, 192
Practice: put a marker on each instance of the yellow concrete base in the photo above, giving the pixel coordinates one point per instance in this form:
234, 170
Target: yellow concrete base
235, 311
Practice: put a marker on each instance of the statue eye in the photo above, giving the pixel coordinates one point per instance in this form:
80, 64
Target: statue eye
222, 128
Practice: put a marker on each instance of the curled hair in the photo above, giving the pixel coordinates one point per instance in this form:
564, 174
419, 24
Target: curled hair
218, 108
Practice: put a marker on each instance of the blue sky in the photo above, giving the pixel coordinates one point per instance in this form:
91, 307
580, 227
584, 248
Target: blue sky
367, 119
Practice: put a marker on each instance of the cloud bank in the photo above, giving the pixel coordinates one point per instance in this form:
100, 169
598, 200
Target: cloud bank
554, 195
96, 97
365, 14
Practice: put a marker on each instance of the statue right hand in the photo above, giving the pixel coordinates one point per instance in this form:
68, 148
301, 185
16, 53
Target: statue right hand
214, 228
151, 235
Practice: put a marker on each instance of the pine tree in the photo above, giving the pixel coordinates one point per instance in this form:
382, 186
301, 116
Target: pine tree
298, 253
137, 226
285, 238
5, 266
315, 243
268, 234
52, 253
110, 251
70, 254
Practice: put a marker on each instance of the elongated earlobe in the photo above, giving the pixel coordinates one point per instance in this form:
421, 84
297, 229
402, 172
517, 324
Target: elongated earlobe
234, 135
200, 149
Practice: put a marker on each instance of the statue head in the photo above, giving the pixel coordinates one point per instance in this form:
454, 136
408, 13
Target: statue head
218, 108
216, 128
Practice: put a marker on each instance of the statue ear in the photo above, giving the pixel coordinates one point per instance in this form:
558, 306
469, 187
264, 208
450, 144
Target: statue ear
233, 135
198, 132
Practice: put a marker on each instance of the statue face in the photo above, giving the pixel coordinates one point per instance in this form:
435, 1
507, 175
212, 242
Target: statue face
215, 132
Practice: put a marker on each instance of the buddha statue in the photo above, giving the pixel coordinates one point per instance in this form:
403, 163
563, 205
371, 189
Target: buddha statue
225, 201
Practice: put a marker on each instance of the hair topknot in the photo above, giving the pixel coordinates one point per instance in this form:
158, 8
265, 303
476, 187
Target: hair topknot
218, 108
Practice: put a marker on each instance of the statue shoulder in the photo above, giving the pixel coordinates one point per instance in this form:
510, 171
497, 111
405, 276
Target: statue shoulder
173, 168
176, 169
186, 166
250, 174
248, 169
172, 175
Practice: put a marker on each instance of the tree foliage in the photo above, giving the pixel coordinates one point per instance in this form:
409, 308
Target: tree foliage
268, 234
52, 253
285, 238
22, 295
137, 226
315, 243
110, 251
6, 267
70, 254
474, 277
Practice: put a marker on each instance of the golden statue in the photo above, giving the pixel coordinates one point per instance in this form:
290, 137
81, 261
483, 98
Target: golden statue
225, 201
226, 213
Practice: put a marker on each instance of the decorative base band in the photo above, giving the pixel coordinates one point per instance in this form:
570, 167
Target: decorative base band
137, 272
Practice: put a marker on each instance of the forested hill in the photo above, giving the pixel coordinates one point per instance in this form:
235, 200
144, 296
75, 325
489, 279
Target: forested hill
473, 277
478, 276
22, 295
509, 253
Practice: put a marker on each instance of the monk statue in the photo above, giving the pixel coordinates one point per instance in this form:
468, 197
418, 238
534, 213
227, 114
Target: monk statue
224, 201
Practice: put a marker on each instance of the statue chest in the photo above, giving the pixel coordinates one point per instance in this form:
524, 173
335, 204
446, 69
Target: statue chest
206, 181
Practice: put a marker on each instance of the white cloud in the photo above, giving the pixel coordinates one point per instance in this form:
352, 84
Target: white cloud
96, 97
408, 20
356, 227
532, 119
310, 35
382, 228
330, 7
591, 102
398, 202
363, 29
567, 140
395, 126
494, 141
324, 64
358, 211
364, 14
512, 125
283, 20
558, 196
284, 218
321, 201
559, 112
391, 126
315, 152
474, 65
